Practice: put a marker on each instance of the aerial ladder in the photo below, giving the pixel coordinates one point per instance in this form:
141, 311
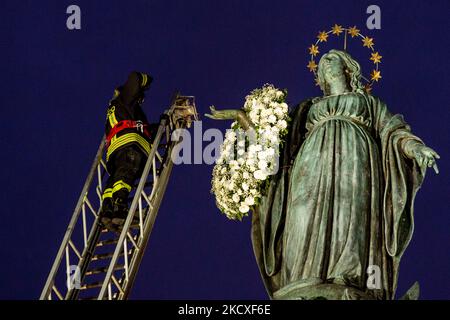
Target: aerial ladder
94, 263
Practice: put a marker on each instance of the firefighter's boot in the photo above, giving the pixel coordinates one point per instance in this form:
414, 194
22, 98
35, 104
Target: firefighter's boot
121, 210
106, 213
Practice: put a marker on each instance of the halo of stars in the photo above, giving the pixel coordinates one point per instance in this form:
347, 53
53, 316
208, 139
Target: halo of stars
367, 42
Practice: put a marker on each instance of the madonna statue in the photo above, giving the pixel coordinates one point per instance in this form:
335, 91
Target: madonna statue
338, 215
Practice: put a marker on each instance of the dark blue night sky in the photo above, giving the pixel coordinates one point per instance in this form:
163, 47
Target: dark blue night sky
56, 84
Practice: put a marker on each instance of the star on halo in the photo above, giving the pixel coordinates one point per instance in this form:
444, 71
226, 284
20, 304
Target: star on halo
368, 42
314, 50
337, 29
375, 75
323, 36
376, 57
312, 66
353, 31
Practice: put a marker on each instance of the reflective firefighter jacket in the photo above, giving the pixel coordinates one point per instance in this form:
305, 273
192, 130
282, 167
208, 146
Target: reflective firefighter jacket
126, 123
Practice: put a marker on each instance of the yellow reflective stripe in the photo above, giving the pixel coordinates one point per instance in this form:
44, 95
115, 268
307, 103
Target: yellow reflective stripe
107, 193
144, 79
125, 139
121, 182
112, 116
119, 185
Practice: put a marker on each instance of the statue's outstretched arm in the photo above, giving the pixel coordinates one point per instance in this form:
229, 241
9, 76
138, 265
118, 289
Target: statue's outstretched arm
412, 147
424, 156
231, 114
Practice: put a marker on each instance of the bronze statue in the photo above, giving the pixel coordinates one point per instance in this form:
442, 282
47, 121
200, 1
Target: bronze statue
342, 202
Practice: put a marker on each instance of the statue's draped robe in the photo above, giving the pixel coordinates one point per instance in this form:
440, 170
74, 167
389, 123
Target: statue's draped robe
342, 200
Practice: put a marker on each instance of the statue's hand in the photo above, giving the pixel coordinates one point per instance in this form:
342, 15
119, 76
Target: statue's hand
426, 157
222, 114
231, 114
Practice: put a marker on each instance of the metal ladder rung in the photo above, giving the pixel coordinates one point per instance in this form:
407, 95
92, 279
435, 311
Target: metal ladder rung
107, 242
93, 298
92, 285
103, 256
88, 298
134, 226
103, 270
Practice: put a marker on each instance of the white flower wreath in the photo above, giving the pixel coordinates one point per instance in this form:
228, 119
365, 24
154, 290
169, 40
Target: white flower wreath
248, 159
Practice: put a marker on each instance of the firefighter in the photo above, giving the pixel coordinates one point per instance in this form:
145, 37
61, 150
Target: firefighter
128, 142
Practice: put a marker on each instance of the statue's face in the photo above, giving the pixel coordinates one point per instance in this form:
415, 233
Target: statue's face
332, 68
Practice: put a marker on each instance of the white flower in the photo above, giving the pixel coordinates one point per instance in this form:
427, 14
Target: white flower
255, 148
282, 124
250, 201
233, 163
272, 119
254, 103
245, 186
230, 135
250, 162
260, 175
254, 116
262, 164
274, 139
262, 155
236, 198
244, 208
270, 152
279, 112
251, 155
